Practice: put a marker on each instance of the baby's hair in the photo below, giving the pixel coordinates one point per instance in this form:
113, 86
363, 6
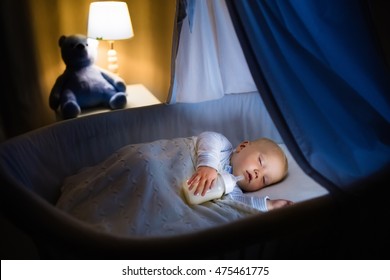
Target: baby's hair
273, 145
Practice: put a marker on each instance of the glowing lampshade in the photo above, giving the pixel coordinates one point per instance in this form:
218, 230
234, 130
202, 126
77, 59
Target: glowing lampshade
110, 20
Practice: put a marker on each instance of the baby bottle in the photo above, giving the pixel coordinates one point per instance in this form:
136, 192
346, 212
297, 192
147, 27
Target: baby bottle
224, 184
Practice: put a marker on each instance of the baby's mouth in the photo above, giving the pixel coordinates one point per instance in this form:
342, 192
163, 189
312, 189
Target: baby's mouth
249, 176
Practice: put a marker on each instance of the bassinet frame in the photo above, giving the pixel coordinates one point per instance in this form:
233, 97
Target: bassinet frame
326, 227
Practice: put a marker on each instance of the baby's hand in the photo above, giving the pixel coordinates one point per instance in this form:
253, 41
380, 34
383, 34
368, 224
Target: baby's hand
202, 179
278, 203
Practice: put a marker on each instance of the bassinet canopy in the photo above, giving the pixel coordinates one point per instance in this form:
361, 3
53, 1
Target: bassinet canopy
323, 77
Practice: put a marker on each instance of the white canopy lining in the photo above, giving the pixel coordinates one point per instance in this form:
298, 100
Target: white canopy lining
209, 62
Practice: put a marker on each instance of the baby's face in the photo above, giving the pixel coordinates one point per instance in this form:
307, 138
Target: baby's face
260, 164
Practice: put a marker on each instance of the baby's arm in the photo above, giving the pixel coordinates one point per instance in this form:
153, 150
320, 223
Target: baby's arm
202, 179
209, 146
262, 203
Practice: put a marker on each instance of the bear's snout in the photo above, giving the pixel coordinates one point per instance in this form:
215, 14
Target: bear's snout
80, 47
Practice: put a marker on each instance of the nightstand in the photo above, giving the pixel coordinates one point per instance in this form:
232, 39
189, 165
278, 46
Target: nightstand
137, 96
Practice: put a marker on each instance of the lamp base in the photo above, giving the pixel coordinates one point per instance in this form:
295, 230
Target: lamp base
112, 59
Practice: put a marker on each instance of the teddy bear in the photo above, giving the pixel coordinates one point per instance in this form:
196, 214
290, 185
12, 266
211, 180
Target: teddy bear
83, 84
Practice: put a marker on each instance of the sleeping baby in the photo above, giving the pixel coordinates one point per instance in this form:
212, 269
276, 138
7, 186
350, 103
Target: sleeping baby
137, 190
260, 163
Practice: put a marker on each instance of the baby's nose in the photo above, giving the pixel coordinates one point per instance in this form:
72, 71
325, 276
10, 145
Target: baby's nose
257, 173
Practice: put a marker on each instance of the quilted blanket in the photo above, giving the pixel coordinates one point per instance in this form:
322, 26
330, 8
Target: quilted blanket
137, 191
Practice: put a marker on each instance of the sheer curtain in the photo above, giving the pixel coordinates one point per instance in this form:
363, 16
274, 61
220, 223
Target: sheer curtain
324, 82
209, 61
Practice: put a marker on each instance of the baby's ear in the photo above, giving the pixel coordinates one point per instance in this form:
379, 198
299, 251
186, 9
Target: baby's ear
241, 146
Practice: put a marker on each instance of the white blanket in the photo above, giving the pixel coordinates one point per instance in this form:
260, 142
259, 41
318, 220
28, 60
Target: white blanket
137, 191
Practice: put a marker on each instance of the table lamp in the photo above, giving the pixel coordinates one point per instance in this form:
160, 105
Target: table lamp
109, 20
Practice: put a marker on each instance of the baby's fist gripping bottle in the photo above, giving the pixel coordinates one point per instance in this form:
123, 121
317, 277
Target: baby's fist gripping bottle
224, 184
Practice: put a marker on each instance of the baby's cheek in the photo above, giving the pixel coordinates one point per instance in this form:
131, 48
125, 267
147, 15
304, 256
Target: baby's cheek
255, 186
247, 187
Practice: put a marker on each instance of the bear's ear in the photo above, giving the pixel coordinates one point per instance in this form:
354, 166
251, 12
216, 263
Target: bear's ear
61, 40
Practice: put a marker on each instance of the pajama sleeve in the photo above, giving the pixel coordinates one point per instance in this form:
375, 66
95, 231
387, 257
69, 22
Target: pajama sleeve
257, 202
211, 147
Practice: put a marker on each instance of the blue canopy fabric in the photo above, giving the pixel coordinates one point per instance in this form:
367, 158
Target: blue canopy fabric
320, 72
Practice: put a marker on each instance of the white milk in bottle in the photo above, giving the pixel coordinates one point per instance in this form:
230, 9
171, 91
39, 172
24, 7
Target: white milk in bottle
224, 184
